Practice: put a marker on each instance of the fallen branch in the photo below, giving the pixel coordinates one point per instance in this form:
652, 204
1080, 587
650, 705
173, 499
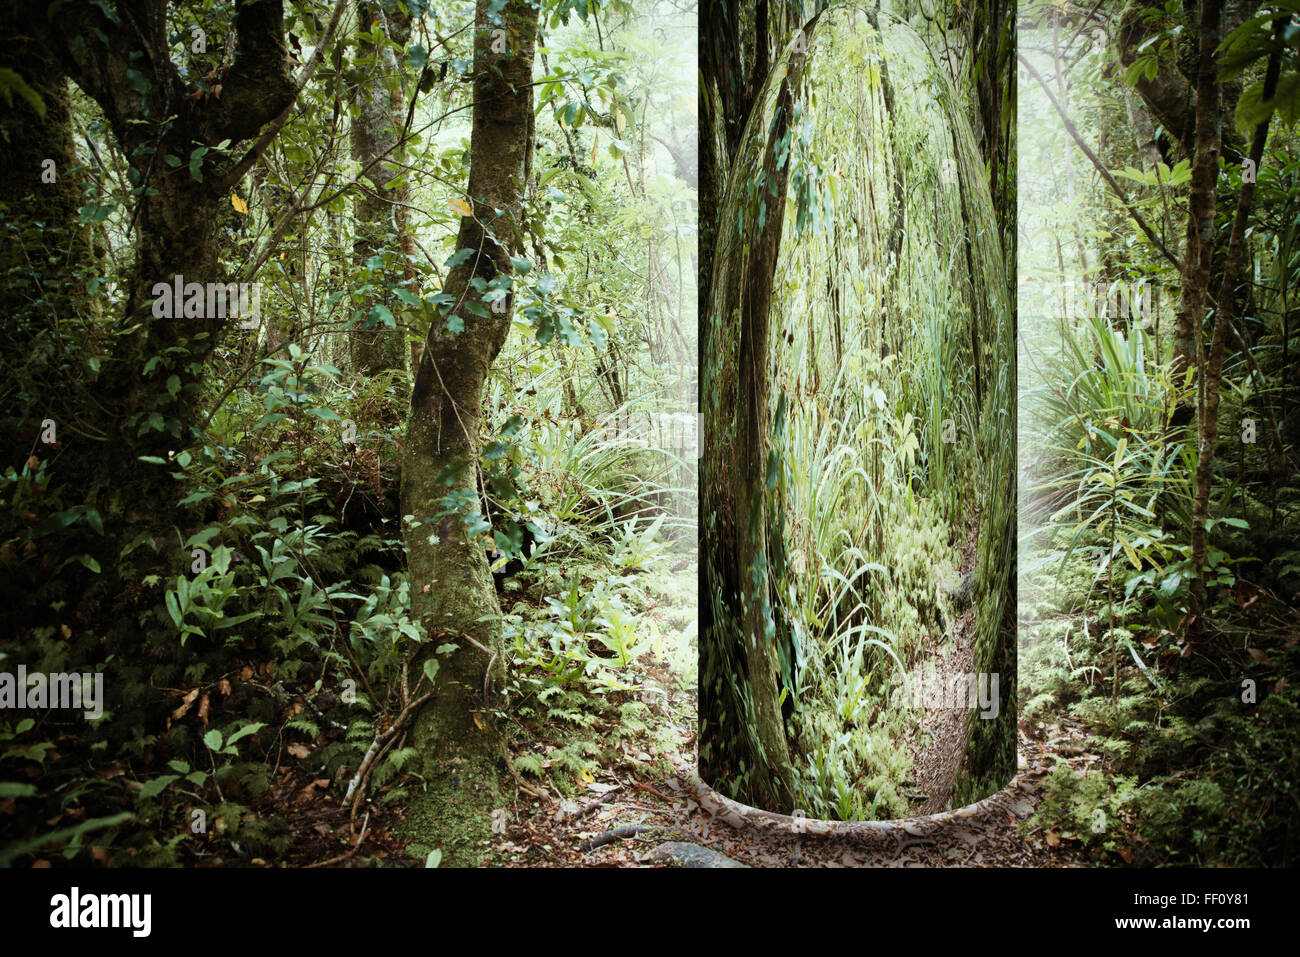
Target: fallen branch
619, 834
381, 738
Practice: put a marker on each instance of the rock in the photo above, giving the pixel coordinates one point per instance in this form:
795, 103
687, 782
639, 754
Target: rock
693, 855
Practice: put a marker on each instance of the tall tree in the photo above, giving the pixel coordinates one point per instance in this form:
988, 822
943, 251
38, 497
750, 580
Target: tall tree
181, 140
381, 212
1224, 307
742, 722
451, 585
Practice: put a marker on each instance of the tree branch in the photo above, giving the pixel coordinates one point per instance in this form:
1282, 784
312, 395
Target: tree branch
1105, 173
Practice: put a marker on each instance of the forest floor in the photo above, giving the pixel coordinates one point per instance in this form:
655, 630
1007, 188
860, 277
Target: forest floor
643, 805
626, 826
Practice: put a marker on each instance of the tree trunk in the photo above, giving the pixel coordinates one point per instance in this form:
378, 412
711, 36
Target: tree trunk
890, 316
1199, 246
382, 221
1208, 431
451, 586
148, 393
741, 720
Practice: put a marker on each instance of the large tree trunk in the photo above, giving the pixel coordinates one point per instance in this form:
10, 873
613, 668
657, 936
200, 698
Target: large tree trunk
381, 214
741, 720
147, 395
451, 586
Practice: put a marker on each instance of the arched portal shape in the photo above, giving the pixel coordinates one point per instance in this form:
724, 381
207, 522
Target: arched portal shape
858, 388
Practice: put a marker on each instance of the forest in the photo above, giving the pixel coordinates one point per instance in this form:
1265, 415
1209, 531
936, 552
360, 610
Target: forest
348, 376
1159, 519
572, 433
858, 391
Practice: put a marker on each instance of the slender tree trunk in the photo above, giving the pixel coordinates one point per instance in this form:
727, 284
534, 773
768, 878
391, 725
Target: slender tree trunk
1188, 333
1212, 374
451, 586
890, 318
381, 218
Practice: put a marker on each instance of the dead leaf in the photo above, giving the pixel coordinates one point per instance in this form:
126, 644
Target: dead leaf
203, 709
1051, 838
299, 751
186, 702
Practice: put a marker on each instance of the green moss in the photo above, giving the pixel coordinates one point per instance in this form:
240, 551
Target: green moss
453, 814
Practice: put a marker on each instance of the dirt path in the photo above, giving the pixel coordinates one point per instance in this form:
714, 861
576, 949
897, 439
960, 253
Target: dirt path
939, 746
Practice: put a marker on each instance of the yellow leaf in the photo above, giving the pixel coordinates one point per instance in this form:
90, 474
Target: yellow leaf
587, 776
594, 146
239, 204
459, 206
619, 121
478, 721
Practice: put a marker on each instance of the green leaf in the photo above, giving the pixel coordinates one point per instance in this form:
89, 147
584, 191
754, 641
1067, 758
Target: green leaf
196, 163
434, 858
213, 739
244, 732
155, 787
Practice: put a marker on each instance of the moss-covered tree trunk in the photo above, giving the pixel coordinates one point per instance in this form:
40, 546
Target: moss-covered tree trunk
148, 393
1208, 432
451, 586
743, 736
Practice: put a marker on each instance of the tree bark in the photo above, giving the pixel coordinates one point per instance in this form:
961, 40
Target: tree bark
381, 215
1212, 375
741, 720
1199, 243
451, 586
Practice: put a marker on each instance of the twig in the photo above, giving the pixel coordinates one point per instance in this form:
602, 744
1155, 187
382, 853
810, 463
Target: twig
380, 739
352, 850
